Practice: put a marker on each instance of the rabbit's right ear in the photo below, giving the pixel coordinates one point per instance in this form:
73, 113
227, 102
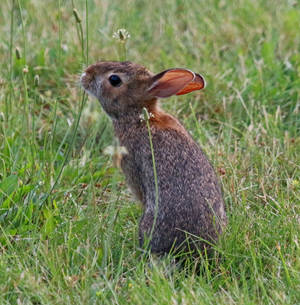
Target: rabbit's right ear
170, 82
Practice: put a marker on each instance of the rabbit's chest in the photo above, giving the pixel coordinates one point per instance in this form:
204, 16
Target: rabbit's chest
132, 174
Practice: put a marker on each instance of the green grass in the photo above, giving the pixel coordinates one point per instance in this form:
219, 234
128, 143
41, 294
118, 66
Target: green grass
68, 224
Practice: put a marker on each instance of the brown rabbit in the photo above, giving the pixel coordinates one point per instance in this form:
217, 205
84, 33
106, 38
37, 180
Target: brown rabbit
190, 205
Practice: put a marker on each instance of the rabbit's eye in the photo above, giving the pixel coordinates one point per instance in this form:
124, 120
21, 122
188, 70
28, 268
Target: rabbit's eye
115, 80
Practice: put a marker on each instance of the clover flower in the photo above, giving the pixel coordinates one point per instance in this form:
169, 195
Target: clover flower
121, 35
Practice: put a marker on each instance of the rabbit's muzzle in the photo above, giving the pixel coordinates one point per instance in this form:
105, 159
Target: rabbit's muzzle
89, 84
86, 80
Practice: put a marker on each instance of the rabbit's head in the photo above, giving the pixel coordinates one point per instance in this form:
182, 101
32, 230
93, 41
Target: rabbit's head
124, 88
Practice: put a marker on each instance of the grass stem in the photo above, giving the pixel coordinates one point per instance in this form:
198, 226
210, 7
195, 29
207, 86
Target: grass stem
147, 118
11, 41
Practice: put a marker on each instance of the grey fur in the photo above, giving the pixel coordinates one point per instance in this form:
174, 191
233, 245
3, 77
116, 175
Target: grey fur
190, 200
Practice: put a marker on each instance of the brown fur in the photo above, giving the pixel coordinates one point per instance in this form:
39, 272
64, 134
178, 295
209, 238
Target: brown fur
190, 203
162, 120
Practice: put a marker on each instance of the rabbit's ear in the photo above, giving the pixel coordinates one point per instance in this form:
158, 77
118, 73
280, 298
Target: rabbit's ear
172, 81
197, 83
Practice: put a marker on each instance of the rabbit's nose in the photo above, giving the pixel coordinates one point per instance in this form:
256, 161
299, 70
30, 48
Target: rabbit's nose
86, 79
83, 75
83, 80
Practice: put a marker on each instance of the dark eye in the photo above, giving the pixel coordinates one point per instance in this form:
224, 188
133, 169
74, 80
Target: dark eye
115, 80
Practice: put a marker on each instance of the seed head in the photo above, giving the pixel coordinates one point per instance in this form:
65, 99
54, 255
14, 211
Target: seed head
76, 15
25, 70
18, 53
146, 115
121, 35
36, 80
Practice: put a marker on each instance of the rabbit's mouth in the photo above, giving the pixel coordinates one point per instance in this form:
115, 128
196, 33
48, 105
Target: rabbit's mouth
87, 82
83, 75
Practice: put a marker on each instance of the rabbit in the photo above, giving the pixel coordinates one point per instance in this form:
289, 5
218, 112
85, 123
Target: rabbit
190, 214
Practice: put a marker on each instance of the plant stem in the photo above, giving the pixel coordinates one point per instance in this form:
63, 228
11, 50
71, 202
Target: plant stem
8, 105
23, 31
147, 117
68, 150
26, 108
59, 32
87, 31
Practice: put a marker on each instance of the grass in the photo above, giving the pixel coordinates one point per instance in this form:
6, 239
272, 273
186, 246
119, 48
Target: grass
68, 225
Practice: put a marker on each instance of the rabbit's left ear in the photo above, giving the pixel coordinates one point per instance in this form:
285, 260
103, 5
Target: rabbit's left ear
175, 81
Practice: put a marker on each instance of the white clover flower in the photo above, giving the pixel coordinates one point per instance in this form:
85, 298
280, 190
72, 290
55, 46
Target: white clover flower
121, 35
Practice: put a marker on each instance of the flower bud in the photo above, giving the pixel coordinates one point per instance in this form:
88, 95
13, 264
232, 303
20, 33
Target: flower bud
36, 80
76, 15
25, 70
18, 53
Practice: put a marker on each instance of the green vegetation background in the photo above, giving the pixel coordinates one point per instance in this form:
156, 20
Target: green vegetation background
68, 225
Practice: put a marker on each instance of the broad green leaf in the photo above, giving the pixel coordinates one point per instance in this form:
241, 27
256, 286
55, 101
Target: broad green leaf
8, 185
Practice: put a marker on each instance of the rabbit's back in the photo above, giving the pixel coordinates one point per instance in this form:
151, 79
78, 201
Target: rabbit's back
190, 199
